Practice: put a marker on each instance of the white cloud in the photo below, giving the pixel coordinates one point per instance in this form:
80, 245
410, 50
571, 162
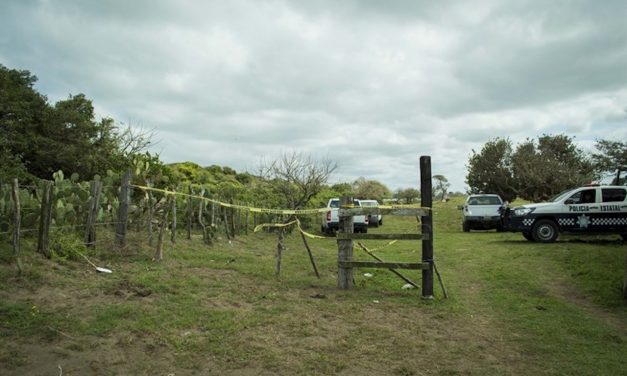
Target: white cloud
371, 84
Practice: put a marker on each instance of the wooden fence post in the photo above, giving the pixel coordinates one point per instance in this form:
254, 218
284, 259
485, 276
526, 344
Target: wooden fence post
206, 234
213, 214
45, 218
426, 201
17, 223
345, 246
246, 225
122, 224
280, 247
190, 212
232, 228
151, 212
162, 228
226, 223
92, 215
173, 210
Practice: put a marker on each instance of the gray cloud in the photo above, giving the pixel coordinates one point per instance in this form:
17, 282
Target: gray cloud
371, 84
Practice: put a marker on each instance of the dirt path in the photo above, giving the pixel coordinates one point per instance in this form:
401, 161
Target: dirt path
569, 293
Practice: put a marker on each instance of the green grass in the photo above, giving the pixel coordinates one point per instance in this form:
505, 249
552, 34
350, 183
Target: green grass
515, 307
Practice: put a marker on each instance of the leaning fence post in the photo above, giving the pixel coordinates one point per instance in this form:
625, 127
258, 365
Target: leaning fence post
426, 201
44, 219
345, 246
122, 224
16, 225
92, 215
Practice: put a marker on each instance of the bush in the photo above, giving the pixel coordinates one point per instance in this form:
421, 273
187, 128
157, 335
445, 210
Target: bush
66, 245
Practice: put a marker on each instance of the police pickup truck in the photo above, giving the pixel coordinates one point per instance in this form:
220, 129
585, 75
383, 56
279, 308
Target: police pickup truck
583, 210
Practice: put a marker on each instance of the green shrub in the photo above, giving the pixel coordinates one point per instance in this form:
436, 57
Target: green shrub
66, 245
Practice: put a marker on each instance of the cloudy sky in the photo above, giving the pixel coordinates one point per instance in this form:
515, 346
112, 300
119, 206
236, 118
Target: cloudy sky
370, 84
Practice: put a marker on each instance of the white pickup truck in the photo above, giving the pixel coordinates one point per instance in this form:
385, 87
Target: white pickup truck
331, 222
374, 220
482, 212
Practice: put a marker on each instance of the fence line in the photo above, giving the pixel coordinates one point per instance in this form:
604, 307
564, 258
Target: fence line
124, 211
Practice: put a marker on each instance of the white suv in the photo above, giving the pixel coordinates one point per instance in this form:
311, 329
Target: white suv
583, 210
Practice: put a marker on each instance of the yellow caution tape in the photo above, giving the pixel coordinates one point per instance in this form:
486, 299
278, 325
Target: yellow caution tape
383, 246
235, 206
297, 222
265, 210
263, 225
312, 236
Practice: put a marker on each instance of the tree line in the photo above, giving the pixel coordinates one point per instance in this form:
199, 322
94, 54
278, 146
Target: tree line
536, 170
38, 138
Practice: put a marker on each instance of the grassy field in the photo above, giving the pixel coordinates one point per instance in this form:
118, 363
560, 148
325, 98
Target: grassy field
515, 308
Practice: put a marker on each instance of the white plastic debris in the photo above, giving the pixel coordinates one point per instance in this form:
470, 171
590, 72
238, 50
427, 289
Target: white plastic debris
376, 302
408, 286
98, 268
368, 275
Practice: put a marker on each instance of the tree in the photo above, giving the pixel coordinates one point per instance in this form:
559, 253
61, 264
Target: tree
611, 158
370, 189
38, 139
441, 186
552, 165
489, 171
407, 195
297, 177
22, 114
11, 166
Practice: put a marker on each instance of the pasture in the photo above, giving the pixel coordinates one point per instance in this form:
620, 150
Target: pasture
514, 308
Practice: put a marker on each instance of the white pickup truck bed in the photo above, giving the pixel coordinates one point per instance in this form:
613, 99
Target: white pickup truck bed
330, 219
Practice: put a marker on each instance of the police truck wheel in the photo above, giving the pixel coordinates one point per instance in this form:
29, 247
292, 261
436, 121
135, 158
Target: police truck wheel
544, 231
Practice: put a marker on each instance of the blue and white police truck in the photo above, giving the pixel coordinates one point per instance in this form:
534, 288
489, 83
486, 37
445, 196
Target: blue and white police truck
584, 210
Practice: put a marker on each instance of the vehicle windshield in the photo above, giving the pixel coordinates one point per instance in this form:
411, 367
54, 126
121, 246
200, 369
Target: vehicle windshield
561, 196
484, 200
